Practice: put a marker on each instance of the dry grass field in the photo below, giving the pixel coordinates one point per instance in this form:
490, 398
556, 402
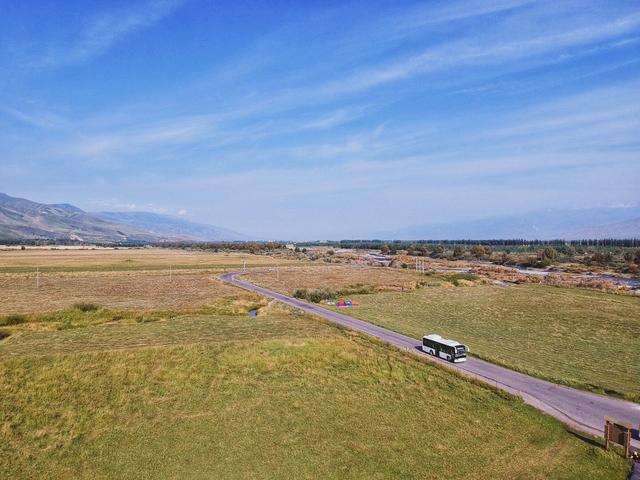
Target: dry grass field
150, 290
335, 277
124, 259
124, 279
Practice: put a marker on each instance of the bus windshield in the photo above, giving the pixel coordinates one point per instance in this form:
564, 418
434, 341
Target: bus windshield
460, 350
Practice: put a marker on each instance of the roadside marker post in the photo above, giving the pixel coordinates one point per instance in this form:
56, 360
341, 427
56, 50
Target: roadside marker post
617, 432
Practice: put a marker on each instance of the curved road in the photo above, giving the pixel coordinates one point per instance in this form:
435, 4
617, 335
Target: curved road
583, 411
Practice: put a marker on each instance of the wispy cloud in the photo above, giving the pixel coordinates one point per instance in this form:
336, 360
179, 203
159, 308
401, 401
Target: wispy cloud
39, 119
100, 32
480, 52
174, 131
334, 119
451, 11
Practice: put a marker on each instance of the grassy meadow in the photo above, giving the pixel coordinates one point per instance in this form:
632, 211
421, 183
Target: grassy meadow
281, 395
129, 374
579, 337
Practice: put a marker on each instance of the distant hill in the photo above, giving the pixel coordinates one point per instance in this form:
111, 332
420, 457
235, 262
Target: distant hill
541, 225
626, 229
23, 219
170, 226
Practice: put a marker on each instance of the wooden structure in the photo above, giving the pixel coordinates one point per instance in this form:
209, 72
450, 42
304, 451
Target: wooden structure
617, 432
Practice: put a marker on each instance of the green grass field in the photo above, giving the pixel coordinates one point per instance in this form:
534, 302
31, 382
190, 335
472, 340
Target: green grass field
282, 395
578, 337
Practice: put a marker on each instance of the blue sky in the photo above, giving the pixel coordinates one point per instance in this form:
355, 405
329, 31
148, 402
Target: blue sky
318, 119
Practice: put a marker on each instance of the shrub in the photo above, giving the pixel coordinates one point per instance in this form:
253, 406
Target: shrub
550, 253
13, 319
86, 307
357, 289
467, 277
628, 257
4, 334
479, 250
300, 293
319, 294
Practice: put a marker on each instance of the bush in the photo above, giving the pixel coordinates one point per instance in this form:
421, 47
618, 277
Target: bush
86, 307
300, 293
4, 334
550, 254
479, 251
357, 289
456, 277
13, 319
319, 294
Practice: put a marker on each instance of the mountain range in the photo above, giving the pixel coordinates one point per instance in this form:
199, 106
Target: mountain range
168, 226
568, 224
22, 219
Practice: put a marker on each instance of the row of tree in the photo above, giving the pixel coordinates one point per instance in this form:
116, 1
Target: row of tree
403, 244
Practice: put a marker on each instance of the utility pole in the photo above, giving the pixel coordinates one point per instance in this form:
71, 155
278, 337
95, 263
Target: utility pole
37, 277
244, 265
170, 273
278, 272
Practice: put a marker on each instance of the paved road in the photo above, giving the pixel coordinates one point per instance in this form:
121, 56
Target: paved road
581, 410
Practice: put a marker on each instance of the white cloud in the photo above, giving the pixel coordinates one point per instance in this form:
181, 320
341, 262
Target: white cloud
39, 119
174, 131
331, 120
479, 51
102, 31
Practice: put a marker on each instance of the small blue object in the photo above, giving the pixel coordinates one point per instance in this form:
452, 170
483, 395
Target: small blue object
253, 313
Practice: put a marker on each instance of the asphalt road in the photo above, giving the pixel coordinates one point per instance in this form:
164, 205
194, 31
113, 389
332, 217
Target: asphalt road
583, 411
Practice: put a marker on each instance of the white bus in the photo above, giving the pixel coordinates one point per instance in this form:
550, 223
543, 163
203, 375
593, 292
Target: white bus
446, 349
